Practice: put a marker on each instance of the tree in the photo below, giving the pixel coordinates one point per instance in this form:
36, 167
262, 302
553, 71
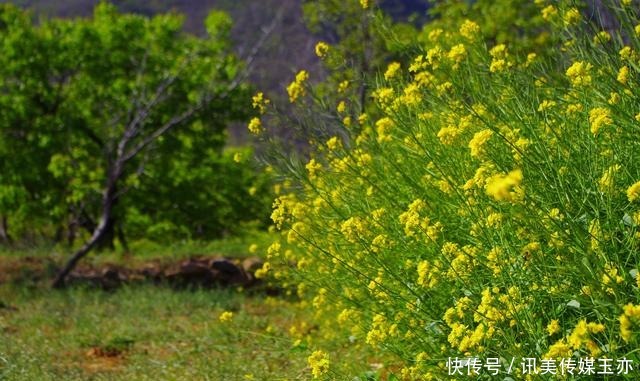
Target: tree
145, 81
93, 108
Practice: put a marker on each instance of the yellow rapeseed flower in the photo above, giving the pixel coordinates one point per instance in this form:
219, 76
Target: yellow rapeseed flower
599, 117
322, 48
546, 104
625, 53
226, 316
572, 16
498, 65
383, 127
498, 51
560, 349
412, 94
469, 30
625, 327
296, 88
342, 86
435, 34
457, 53
553, 327
601, 37
392, 70
260, 102
504, 187
549, 12
578, 73
313, 167
384, 95
447, 135
334, 143
614, 98
633, 192
623, 75
574, 108
631, 313
434, 55
443, 88
255, 126
606, 182
423, 273
531, 57
319, 363
476, 145
263, 271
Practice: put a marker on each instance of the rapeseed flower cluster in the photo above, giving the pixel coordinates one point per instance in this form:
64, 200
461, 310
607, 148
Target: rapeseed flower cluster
319, 363
483, 202
579, 73
255, 126
599, 117
226, 317
296, 88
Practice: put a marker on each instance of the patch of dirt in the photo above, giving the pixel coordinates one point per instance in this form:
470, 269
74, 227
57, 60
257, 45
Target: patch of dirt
97, 360
107, 357
195, 272
104, 352
26, 270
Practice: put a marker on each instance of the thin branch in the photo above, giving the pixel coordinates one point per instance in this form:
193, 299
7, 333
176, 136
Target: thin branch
266, 32
133, 127
176, 120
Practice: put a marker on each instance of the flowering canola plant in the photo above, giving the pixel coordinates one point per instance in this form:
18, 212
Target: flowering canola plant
484, 204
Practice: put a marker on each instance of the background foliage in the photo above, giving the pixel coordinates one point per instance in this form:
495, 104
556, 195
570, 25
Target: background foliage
70, 87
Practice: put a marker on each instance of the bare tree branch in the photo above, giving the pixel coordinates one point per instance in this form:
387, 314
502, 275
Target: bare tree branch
266, 32
176, 120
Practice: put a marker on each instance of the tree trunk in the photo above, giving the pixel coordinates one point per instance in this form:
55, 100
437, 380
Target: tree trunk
59, 282
106, 242
4, 231
108, 200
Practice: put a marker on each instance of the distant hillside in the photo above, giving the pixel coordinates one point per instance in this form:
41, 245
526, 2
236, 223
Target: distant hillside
290, 45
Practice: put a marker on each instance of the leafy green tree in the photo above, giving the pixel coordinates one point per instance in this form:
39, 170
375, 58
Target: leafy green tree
30, 78
108, 119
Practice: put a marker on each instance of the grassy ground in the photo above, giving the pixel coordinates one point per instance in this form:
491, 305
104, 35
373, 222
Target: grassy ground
151, 332
146, 333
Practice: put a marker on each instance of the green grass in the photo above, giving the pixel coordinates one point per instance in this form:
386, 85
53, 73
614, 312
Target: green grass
152, 332
162, 334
